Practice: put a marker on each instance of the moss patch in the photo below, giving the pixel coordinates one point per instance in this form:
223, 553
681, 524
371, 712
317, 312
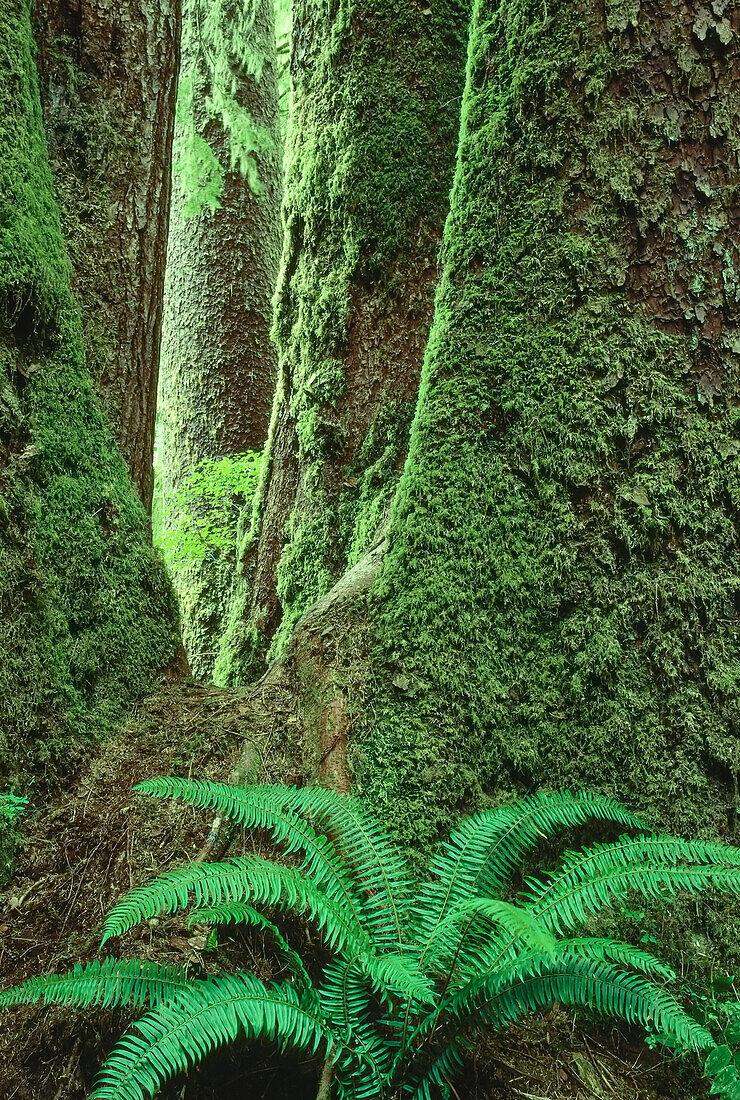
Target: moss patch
85, 609
560, 602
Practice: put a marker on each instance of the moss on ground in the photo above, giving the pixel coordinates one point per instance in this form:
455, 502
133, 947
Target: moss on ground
86, 613
559, 605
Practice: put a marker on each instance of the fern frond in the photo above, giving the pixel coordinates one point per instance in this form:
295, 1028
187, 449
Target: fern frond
276, 809
130, 982
483, 920
238, 912
378, 866
347, 1003
179, 1033
424, 1084
653, 866
528, 985
481, 853
248, 878
625, 954
575, 980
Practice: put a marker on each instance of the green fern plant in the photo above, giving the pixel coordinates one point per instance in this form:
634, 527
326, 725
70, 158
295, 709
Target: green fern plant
416, 968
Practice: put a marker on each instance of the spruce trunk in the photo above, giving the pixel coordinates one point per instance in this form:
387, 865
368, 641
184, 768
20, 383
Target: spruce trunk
108, 78
218, 361
370, 149
86, 614
560, 602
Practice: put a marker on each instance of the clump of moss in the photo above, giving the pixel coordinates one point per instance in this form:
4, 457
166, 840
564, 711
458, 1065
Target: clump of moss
560, 602
86, 613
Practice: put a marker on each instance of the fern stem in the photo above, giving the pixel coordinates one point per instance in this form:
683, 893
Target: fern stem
325, 1081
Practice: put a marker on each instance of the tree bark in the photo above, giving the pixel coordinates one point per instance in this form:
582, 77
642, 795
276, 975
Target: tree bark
559, 604
109, 76
86, 613
370, 149
218, 362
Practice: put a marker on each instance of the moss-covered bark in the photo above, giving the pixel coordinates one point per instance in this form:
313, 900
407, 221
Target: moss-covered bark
370, 151
560, 601
86, 613
218, 362
108, 80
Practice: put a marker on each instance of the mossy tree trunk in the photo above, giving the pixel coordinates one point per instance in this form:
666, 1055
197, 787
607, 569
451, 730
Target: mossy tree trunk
218, 361
108, 78
560, 601
370, 150
86, 614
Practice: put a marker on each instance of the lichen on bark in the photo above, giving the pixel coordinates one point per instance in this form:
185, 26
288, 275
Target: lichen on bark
560, 601
86, 614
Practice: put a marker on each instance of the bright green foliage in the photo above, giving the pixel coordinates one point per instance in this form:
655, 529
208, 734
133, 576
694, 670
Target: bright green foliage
203, 514
11, 807
417, 968
560, 593
86, 613
114, 981
221, 49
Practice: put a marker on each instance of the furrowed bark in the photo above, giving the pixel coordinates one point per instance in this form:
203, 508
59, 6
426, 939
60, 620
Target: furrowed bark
86, 613
218, 361
108, 76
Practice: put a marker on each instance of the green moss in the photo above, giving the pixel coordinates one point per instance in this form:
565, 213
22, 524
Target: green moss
86, 149
370, 145
561, 595
86, 613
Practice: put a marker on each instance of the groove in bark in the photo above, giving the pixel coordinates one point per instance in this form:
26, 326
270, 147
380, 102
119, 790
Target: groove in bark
218, 362
560, 601
370, 147
109, 74
86, 614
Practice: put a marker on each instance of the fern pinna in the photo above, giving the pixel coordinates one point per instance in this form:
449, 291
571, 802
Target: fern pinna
416, 968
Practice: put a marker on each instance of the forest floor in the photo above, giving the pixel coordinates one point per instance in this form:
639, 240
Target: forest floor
96, 840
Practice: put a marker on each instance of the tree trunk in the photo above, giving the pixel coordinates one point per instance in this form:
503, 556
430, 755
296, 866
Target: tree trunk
218, 362
560, 600
109, 76
86, 614
370, 149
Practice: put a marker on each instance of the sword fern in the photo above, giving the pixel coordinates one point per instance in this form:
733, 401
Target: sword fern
416, 968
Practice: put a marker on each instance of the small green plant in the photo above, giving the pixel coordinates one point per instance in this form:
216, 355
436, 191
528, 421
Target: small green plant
11, 807
415, 968
206, 509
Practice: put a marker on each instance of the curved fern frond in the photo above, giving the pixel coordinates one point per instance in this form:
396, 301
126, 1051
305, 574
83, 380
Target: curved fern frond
482, 852
130, 982
577, 981
273, 808
625, 954
179, 1033
378, 866
534, 983
238, 912
653, 866
425, 1084
483, 919
247, 878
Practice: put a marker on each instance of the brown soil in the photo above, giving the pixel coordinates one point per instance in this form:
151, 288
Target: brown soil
96, 839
